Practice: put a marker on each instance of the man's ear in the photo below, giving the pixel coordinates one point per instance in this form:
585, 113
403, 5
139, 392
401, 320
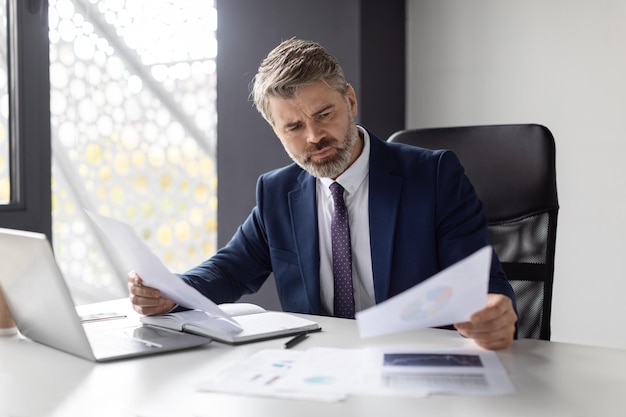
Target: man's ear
352, 103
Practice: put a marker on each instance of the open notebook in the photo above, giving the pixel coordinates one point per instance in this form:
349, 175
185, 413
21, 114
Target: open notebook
256, 323
229, 323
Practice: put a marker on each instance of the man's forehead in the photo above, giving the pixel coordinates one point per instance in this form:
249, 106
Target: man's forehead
307, 102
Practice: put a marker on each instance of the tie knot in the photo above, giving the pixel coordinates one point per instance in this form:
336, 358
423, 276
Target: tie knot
337, 191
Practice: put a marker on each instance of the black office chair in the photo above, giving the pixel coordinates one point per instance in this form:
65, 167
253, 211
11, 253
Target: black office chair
512, 168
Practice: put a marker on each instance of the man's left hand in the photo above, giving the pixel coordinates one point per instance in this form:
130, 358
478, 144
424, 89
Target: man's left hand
492, 327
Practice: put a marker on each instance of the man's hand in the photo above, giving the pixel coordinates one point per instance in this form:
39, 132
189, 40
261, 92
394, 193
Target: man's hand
146, 300
492, 327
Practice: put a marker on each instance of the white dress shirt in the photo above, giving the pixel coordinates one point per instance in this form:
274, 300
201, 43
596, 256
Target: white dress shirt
355, 182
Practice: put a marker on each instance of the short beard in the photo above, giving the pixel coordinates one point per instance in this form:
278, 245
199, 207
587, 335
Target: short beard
332, 166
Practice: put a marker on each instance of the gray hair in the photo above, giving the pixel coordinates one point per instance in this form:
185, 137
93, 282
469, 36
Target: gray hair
291, 65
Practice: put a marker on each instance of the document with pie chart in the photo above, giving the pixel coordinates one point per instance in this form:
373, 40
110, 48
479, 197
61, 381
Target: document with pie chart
448, 297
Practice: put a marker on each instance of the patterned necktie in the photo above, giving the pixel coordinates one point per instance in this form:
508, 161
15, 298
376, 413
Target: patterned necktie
342, 255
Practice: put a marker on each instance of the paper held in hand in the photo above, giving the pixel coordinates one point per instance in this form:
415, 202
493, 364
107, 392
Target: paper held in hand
448, 297
150, 268
229, 323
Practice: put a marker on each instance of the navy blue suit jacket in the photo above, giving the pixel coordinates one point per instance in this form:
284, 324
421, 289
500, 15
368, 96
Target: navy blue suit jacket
423, 216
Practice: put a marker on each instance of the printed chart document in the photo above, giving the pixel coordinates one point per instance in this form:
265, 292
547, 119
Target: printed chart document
289, 373
331, 374
410, 372
205, 317
448, 297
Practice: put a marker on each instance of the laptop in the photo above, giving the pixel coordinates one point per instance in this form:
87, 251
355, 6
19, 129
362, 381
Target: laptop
44, 311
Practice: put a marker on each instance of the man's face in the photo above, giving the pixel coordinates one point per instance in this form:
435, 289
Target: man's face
317, 129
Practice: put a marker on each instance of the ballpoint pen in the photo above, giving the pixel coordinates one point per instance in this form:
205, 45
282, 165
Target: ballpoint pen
299, 338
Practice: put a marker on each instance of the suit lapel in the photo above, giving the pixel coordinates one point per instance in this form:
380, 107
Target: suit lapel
302, 204
384, 200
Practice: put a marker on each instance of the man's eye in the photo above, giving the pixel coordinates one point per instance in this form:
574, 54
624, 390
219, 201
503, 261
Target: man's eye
324, 115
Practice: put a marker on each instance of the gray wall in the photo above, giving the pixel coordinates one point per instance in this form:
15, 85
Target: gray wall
357, 32
560, 63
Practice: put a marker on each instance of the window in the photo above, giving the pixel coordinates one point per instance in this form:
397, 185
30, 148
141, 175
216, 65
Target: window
133, 117
5, 163
24, 117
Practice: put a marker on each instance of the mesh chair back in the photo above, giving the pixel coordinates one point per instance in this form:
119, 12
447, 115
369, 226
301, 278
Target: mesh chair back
512, 168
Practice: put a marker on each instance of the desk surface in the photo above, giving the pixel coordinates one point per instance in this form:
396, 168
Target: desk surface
551, 379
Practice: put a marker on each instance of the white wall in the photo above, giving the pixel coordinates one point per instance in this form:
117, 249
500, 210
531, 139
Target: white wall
561, 63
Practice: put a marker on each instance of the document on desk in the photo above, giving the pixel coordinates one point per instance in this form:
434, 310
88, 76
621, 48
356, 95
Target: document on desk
414, 372
317, 374
150, 268
332, 374
448, 297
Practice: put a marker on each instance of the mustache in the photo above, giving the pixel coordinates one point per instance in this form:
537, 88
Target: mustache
323, 143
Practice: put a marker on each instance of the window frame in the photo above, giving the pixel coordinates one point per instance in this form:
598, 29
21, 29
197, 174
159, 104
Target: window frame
28, 61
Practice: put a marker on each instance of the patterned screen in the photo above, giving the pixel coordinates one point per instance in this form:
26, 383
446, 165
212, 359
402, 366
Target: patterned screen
133, 133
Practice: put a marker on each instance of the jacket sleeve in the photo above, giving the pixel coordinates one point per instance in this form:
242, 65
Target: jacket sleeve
241, 267
460, 221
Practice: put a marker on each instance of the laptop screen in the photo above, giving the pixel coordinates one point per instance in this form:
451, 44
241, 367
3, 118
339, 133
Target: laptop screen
36, 293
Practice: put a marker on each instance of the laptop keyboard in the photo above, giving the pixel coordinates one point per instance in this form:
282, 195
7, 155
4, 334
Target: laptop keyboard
113, 342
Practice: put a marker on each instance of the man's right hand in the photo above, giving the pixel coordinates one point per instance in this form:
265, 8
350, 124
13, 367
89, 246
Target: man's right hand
146, 300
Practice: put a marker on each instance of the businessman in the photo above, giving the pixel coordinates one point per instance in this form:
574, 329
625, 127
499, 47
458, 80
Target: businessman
354, 220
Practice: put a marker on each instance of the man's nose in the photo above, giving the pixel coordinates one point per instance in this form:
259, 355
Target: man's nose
314, 133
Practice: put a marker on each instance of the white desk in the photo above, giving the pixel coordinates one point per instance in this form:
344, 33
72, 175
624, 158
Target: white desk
551, 379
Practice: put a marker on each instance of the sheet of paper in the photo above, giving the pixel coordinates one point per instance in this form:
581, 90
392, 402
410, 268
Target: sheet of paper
150, 268
333, 374
449, 297
319, 374
414, 372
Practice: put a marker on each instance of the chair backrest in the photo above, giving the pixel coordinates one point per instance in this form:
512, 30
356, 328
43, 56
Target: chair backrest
512, 168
